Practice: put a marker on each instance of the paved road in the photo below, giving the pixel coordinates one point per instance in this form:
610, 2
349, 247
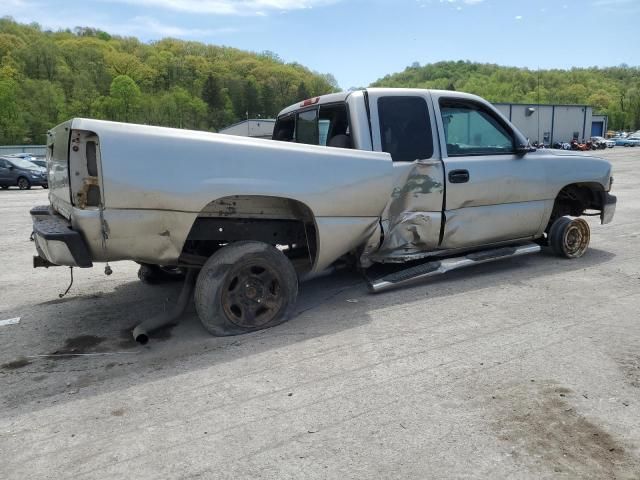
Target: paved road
528, 368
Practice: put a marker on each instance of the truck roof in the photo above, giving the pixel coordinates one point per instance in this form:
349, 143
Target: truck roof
342, 97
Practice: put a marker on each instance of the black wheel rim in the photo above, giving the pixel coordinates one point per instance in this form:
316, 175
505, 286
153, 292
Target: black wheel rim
576, 239
23, 184
252, 295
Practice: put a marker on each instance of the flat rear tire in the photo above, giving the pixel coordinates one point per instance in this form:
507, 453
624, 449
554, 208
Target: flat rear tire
245, 287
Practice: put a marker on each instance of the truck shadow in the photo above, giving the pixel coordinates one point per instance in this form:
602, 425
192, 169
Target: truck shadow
84, 345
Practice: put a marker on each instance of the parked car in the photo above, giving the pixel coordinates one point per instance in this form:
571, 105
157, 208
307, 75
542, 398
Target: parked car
626, 142
601, 143
39, 163
26, 156
402, 176
16, 171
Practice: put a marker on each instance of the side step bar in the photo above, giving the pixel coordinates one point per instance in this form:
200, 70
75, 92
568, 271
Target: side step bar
438, 267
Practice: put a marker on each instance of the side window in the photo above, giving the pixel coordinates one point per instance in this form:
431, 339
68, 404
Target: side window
285, 129
307, 127
334, 126
327, 126
405, 128
470, 129
3, 164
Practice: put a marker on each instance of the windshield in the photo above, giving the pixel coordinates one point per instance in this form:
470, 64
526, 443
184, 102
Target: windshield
22, 163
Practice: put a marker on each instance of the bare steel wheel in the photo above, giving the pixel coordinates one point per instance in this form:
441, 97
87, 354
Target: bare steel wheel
245, 286
252, 294
569, 238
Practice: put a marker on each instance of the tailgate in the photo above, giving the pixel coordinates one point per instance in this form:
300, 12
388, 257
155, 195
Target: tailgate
58, 168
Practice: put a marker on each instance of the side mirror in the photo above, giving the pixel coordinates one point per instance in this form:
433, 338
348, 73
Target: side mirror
524, 149
11, 167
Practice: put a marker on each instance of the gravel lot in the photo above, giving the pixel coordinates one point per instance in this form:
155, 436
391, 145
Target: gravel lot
528, 368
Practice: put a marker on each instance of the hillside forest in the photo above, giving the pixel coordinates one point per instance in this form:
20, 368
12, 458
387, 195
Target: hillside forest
612, 91
47, 77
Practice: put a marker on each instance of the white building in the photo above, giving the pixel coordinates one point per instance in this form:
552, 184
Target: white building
258, 128
549, 124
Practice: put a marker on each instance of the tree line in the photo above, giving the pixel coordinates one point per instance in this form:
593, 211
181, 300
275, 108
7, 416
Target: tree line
612, 91
47, 77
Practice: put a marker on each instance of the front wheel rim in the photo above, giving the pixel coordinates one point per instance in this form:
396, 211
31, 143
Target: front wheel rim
23, 184
252, 295
576, 239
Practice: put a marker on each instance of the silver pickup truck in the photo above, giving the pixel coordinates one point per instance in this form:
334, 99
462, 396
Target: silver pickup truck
435, 180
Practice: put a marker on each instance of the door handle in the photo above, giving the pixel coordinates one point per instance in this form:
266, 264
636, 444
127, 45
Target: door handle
459, 176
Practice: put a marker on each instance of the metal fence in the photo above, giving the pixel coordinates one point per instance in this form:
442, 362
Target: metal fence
36, 150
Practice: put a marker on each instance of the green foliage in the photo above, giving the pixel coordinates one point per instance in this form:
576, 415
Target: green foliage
613, 91
48, 77
125, 98
11, 124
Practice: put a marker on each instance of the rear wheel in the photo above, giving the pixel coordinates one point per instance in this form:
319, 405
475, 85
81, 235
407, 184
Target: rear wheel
569, 238
244, 287
24, 183
5, 187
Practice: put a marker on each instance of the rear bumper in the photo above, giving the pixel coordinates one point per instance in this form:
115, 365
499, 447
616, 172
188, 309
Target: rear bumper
608, 208
56, 241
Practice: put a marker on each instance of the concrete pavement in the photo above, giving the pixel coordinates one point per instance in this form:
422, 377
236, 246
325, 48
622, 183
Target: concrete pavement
527, 368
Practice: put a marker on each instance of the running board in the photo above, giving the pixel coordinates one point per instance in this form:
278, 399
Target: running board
438, 267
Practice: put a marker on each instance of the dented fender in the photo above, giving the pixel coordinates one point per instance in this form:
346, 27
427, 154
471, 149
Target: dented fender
412, 219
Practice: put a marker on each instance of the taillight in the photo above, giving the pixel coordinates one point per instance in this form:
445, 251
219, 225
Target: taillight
84, 161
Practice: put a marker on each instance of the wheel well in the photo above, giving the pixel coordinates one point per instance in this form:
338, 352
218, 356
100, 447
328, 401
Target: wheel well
575, 199
287, 224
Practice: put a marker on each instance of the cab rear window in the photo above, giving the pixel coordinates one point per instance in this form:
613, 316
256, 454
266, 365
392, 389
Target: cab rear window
307, 127
326, 125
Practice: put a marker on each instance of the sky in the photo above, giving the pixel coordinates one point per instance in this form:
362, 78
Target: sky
360, 41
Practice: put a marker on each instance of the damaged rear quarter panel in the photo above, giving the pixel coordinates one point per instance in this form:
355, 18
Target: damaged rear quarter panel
148, 236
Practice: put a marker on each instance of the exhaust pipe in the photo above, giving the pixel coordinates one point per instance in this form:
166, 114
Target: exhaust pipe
141, 331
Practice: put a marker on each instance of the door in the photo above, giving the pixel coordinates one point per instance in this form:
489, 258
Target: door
5, 173
493, 194
402, 125
597, 129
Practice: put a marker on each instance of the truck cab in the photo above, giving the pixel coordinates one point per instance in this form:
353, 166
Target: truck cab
463, 176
